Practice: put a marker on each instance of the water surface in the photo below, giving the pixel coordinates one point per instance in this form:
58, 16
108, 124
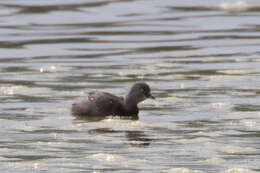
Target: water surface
201, 59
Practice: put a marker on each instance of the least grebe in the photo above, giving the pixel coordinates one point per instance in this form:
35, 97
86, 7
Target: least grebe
102, 104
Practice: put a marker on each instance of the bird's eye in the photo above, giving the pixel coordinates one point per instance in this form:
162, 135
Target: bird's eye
142, 90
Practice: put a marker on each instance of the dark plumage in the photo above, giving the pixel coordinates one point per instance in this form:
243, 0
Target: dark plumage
102, 104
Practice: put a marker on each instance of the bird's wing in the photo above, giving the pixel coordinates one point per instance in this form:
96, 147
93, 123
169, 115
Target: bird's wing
107, 103
80, 108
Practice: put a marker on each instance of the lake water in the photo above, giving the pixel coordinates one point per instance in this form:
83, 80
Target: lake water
201, 59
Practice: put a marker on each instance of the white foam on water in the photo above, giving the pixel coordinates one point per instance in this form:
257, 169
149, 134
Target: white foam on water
118, 160
8, 90
139, 73
223, 78
12, 90
53, 69
128, 72
183, 170
76, 93
234, 6
232, 149
215, 105
104, 157
252, 124
234, 72
26, 166
239, 169
221, 105
203, 140
24, 127
148, 68
53, 144
215, 160
249, 120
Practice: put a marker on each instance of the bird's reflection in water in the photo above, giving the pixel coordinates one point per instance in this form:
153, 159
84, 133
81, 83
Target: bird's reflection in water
138, 138
135, 138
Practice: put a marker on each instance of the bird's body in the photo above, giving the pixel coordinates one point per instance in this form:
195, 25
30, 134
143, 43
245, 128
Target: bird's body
102, 104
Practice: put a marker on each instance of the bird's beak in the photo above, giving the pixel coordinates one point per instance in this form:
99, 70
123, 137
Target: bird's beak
150, 96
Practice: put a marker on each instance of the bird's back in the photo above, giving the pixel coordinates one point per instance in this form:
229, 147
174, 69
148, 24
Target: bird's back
99, 104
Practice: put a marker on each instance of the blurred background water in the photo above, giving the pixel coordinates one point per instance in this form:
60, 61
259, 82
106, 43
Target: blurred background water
201, 59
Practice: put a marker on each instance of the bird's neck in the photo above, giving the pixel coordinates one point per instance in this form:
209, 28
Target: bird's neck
131, 105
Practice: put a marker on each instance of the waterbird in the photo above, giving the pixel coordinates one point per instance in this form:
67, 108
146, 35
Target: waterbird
103, 104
